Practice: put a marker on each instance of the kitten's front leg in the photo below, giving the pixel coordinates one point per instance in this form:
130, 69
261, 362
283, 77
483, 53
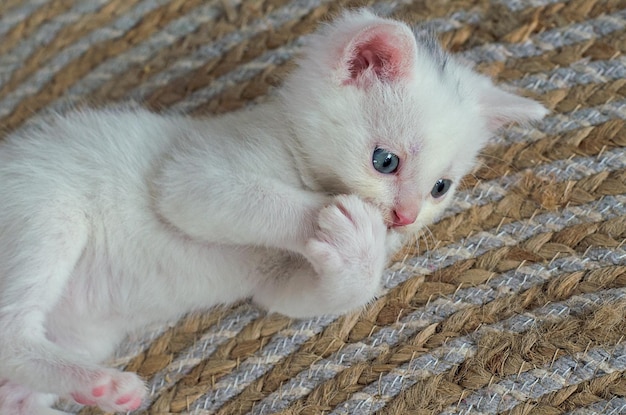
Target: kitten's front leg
347, 257
236, 208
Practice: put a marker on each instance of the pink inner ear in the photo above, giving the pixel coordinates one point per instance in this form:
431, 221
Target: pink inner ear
382, 52
363, 60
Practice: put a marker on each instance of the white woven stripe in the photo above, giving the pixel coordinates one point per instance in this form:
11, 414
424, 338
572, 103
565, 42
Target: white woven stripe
615, 406
576, 168
145, 50
291, 11
492, 190
375, 396
518, 5
579, 73
563, 372
115, 30
537, 382
560, 123
227, 328
241, 74
44, 34
507, 235
550, 40
441, 359
17, 14
284, 343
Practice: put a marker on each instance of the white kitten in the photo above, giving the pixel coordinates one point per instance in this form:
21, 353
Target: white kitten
110, 220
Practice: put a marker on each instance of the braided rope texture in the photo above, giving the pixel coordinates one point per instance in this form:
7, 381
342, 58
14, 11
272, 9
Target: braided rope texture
513, 303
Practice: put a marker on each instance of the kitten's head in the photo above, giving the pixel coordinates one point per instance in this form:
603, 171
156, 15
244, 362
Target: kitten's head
387, 115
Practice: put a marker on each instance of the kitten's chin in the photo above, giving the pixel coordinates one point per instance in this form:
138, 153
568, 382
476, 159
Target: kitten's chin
404, 230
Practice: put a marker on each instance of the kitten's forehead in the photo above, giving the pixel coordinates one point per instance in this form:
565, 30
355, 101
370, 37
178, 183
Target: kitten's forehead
393, 113
426, 119
415, 147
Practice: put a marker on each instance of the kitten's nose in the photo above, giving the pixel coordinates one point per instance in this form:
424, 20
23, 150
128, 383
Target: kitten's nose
403, 218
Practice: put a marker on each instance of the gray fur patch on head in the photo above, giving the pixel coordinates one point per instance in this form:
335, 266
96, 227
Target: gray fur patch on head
428, 41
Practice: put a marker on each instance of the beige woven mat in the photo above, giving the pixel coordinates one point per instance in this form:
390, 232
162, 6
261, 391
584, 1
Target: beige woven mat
514, 303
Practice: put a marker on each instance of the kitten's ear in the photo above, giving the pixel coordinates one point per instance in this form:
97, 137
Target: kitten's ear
384, 51
501, 107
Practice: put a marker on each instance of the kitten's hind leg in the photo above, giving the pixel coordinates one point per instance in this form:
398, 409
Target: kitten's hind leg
18, 400
347, 257
35, 267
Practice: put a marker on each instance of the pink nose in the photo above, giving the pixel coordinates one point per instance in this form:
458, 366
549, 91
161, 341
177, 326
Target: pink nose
401, 218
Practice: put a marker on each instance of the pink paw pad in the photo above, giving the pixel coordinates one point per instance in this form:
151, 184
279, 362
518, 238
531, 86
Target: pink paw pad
99, 391
124, 400
134, 404
114, 392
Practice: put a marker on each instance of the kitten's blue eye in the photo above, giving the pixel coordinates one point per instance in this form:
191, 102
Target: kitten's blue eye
385, 161
441, 188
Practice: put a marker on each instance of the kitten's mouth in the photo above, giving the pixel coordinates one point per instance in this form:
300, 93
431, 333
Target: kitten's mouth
389, 222
397, 228
404, 228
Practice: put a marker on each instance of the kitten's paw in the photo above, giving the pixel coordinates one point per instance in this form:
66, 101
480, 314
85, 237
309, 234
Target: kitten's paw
394, 242
112, 391
349, 248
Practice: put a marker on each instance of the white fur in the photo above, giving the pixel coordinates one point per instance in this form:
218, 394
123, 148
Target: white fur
110, 220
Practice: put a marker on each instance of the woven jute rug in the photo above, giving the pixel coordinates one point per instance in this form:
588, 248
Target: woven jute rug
514, 302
